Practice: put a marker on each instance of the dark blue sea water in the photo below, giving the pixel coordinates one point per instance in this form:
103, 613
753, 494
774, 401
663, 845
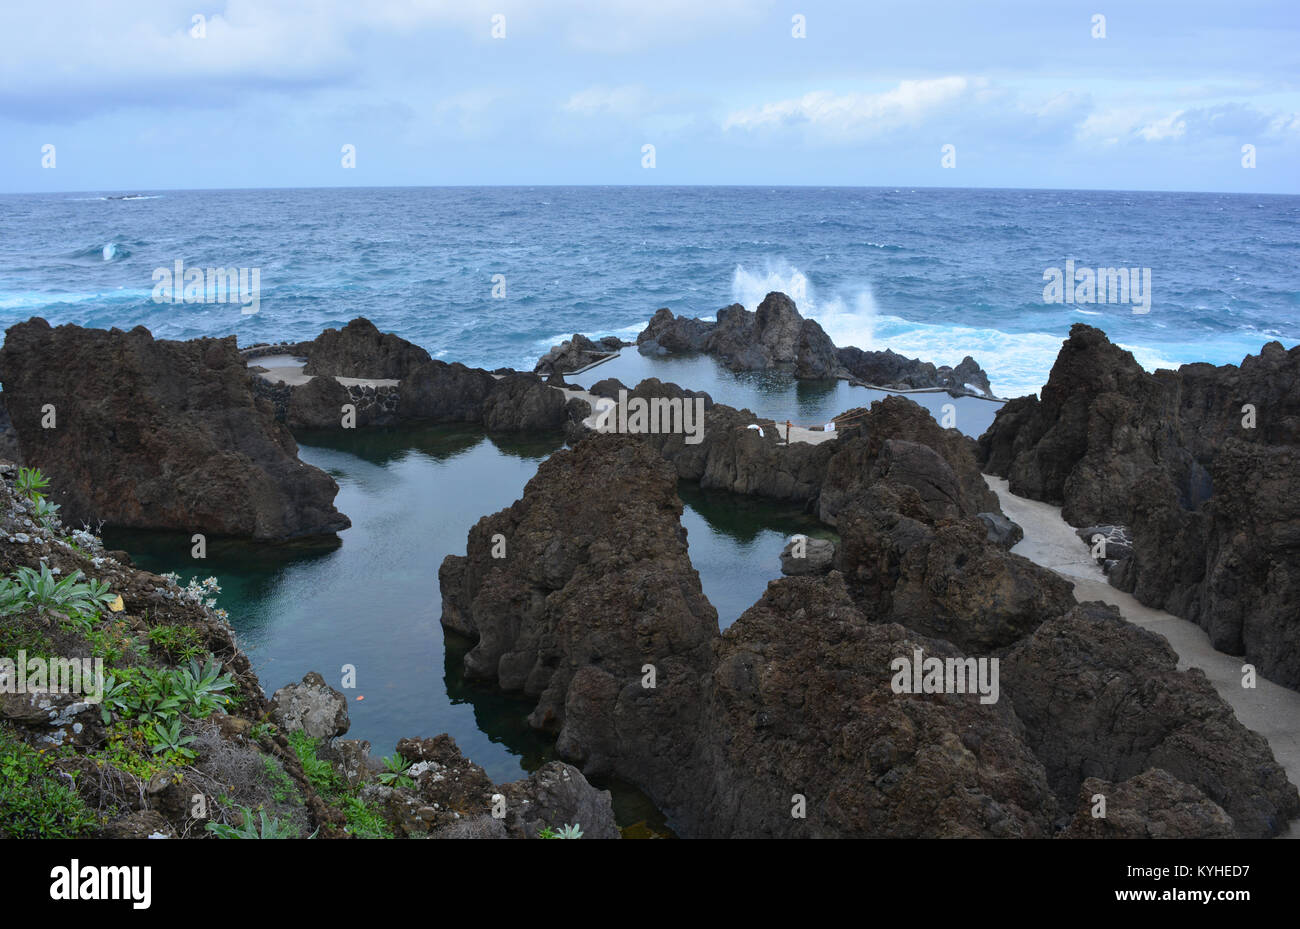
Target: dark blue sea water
928, 272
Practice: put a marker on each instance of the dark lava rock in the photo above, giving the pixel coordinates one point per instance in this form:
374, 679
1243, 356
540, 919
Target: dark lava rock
159, 434
1151, 805
888, 369
1118, 544
524, 402
554, 796
1002, 531
943, 577
803, 555
609, 387
800, 703
1103, 698
1208, 487
576, 353
437, 392
595, 577
359, 349
897, 439
774, 337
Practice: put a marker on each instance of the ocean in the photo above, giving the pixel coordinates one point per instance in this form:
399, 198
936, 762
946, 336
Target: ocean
930, 273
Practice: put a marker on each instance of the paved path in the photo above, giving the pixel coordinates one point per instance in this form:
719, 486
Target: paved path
1271, 710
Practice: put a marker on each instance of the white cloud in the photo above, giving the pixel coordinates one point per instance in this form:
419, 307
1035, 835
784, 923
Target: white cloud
908, 104
627, 100
1172, 126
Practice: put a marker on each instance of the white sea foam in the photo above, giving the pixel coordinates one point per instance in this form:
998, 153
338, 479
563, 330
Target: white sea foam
1017, 363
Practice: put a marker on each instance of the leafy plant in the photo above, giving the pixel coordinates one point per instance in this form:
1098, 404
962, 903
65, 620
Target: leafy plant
201, 688
167, 737
269, 827
45, 512
394, 773
117, 697
566, 832
157, 697
45, 590
31, 482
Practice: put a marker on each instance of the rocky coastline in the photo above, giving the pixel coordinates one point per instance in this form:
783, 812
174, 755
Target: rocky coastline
775, 337
581, 595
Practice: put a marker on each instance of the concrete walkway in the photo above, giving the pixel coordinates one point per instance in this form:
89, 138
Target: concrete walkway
1269, 709
288, 370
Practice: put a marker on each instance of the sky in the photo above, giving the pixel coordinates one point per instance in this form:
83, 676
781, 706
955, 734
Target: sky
181, 94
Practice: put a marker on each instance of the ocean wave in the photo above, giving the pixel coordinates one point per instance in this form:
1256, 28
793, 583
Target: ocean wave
1017, 363
109, 251
36, 300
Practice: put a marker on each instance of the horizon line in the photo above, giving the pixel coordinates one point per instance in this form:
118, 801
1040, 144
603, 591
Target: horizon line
1122, 190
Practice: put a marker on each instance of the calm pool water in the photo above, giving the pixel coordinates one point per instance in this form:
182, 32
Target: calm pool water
370, 598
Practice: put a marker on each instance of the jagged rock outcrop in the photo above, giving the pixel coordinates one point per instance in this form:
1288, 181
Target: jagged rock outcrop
158, 434
438, 392
595, 580
1103, 698
776, 337
1152, 805
897, 439
524, 402
800, 702
9, 450
729, 455
312, 707
773, 337
1201, 465
942, 577
359, 349
577, 353
888, 369
453, 798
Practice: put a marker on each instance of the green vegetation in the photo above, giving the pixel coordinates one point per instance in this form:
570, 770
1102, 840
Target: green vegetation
35, 800
262, 731
363, 821
394, 773
45, 590
163, 695
31, 482
268, 828
566, 832
176, 643
283, 789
